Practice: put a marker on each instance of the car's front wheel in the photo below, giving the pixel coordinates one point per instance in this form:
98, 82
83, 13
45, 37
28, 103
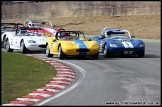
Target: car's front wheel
22, 47
105, 51
8, 49
61, 54
48, 52
141, 54
95, 56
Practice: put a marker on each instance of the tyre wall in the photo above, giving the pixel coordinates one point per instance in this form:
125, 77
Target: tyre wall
79, 8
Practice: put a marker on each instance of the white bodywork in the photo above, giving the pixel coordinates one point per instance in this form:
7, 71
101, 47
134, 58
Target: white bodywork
32, 43
6, 33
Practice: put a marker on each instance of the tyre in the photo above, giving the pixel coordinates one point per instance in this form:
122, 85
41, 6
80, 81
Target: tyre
48, 52
95, 56
8, 49
141, 54
105, 51
22, 47
61, 54
4, 42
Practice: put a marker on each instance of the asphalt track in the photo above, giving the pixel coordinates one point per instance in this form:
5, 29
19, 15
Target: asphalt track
117, 80
114, 80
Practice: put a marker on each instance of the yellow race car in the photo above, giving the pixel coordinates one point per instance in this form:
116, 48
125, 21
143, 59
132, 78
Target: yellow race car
71, 43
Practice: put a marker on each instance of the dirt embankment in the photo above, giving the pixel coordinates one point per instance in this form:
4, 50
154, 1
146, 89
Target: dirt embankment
141, 26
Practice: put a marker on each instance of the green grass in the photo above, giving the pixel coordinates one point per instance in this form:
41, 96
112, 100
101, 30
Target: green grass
22, 74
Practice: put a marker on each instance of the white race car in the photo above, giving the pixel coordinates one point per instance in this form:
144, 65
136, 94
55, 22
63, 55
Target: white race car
8, 27
24, 40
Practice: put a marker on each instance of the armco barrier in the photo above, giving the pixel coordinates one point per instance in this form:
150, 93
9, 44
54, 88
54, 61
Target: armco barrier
79, 8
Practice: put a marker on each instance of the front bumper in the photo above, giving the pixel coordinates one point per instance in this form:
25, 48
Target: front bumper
36, 47
126, 51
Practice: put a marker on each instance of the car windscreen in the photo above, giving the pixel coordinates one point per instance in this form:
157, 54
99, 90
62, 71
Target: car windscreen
119, 35
26, 32
66, 35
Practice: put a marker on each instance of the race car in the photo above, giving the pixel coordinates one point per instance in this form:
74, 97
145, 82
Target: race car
49, 29
119, 42
71, 43
8, 27
25, 41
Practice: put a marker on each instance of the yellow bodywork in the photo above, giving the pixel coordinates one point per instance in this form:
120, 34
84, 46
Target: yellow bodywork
69, 47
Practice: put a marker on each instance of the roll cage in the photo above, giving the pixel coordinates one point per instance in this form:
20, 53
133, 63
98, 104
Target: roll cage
69, 35
117, 32
39, 23
11, 26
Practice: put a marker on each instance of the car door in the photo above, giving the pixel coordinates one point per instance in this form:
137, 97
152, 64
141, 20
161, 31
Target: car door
54, 46
16, 40
13, 42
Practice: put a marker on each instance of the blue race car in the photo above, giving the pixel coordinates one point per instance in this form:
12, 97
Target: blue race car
119, 42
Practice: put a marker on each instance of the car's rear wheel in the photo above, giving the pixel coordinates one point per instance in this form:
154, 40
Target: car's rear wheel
8, 49
61, 54
48, 52
23, 49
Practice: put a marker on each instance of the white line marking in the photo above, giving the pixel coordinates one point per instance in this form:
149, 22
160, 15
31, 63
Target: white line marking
52, 90
65, 72
55, 85
66, 75
82, 71
14, 105
62, 78
40, 94
59, 82
28, 99
65, 69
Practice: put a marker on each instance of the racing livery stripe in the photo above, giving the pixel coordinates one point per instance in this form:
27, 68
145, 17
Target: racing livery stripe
125, 45
130, 44
81, 46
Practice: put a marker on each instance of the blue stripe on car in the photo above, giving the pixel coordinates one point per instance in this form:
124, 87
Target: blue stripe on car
81, 46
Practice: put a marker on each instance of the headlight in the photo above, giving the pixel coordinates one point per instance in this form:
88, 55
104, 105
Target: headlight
31, 41
141, 45
113, 45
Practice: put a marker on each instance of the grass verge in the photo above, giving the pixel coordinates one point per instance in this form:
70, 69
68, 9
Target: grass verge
22, 74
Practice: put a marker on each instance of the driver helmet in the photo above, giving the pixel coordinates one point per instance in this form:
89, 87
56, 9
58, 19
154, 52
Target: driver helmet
30, 24
104, 32
59, 36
